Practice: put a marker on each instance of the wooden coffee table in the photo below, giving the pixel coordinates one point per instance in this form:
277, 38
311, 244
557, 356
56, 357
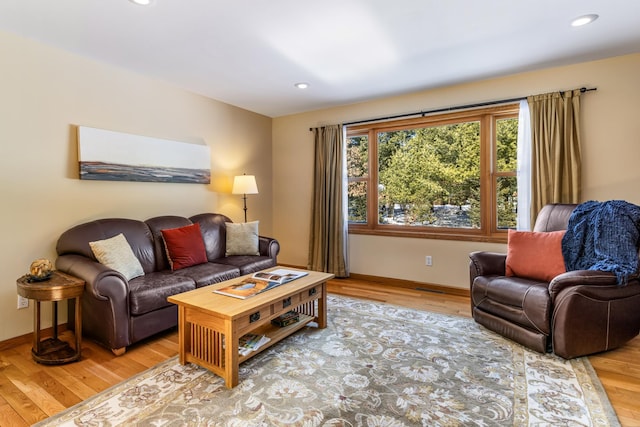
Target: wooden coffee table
210, 325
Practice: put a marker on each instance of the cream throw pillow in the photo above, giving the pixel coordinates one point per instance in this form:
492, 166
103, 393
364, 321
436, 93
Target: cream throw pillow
242, 238
116, 254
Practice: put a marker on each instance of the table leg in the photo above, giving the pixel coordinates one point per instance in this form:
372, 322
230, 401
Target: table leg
182, 342
78, 326
231, 358
322, 307
54, 320
36, 325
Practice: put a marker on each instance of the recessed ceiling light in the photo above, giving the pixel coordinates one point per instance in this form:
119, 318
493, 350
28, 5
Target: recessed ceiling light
301, 85
584, 20
142, 2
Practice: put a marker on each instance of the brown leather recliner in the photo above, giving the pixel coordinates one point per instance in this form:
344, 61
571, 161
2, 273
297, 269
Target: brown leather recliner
578, 313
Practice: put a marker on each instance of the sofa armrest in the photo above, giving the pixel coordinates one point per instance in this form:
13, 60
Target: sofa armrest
269, 247
486, 264
105, 300
101, 281
578, 278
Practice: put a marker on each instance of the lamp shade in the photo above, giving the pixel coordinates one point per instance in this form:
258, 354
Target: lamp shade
244, 184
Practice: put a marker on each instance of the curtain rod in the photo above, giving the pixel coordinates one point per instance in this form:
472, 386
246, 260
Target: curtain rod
440, 110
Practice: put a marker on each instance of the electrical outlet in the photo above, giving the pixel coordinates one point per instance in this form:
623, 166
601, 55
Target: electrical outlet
428, 260
22, 302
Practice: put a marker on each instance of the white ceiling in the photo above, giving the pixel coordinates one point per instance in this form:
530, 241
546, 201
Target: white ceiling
249, 53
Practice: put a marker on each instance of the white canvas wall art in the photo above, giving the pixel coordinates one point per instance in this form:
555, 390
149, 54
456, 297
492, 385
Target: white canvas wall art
116, 156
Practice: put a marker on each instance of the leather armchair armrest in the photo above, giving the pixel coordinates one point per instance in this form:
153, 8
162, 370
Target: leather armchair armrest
580, 277
268, 247
487, 263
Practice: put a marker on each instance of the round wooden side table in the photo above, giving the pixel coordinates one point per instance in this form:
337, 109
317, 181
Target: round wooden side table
61, 286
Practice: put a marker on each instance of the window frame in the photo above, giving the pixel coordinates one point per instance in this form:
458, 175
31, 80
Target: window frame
489, 175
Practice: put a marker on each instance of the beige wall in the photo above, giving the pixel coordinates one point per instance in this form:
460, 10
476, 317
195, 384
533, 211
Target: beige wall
45, 94
611, 154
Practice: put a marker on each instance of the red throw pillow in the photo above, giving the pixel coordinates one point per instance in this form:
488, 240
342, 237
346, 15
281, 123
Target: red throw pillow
184, 246
535, 255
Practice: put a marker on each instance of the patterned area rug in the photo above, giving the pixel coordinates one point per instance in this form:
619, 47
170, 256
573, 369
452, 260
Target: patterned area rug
374, 365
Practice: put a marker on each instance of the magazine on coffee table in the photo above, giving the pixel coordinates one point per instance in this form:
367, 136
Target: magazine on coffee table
246, 288
260, 282
280, 276
251, 342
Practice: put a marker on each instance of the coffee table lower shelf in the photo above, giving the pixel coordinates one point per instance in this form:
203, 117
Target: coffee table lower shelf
208, 347
277, 334
202, 339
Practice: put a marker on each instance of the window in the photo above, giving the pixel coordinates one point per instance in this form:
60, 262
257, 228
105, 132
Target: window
446, 176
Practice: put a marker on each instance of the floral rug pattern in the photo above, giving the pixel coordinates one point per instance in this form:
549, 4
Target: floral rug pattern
375, 365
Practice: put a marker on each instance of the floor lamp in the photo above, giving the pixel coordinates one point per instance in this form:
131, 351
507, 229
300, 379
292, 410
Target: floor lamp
244, 184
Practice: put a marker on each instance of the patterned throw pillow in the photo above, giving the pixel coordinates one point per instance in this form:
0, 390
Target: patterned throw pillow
116, 253
184, 246
242, 238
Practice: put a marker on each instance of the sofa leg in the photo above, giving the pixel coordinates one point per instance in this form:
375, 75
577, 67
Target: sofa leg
119, 351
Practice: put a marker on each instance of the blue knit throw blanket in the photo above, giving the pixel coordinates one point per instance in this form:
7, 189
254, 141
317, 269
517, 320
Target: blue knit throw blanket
603, 236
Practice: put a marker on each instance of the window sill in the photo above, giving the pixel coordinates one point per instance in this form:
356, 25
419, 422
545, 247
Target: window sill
438, 235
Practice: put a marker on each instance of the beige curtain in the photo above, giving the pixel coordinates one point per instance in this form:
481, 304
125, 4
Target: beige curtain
555, 140
328, 237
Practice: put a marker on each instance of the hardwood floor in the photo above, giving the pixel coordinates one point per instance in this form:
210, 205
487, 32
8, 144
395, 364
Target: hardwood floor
30, 392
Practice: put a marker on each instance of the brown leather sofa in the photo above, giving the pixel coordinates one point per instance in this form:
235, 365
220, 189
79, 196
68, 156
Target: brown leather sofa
116, 312
576, 314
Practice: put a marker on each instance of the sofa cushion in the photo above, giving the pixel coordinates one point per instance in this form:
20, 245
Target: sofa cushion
247, 263
116, 253
522, 301
75, 241
209, 273
184, 246
535, 255
214, 233
149, 292
156, 225
242, 238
